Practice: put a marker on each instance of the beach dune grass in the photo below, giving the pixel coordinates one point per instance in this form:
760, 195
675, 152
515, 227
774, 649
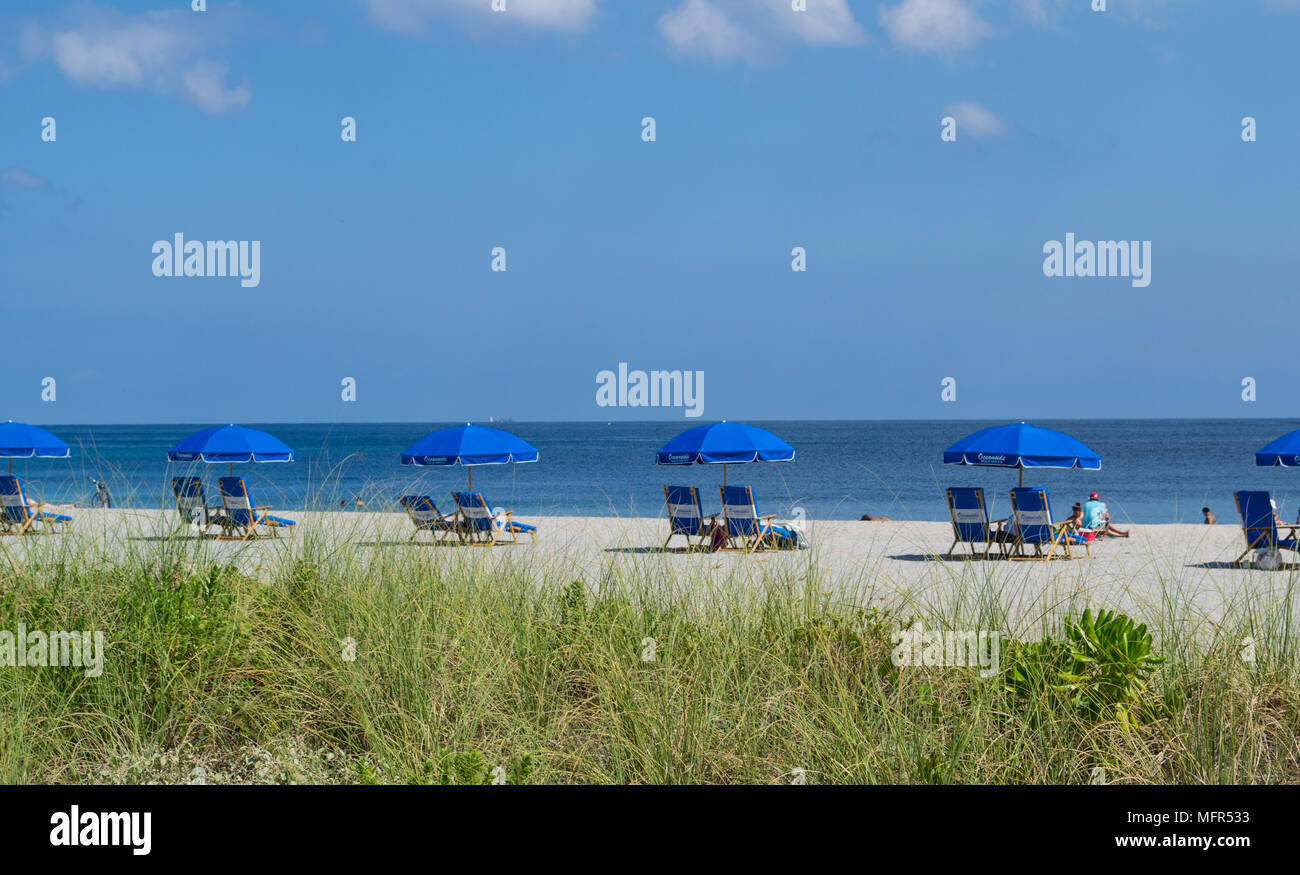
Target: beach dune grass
398, 664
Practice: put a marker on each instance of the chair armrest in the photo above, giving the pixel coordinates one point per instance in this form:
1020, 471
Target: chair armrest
265, 507
770, 516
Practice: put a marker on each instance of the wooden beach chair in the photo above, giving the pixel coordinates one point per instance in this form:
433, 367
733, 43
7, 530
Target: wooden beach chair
427, 518
483, 528
1032, 513
970, 521
242, 520
686, 516
19, 517
746, 530
193, 506
1259, 524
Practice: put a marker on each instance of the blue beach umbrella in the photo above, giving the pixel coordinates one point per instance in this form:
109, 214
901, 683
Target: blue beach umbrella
1022, 446
1284, 451
228, 444
18, 440
469, 445
724, 443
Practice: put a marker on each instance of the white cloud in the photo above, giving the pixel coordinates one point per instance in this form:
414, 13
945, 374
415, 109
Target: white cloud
933, 25
413, 16
1036, 10
165, 52
15, 178
205, 82
754, 29
822, 22
973, 120
698, 27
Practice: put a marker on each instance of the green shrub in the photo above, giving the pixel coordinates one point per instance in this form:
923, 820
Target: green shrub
1100, 669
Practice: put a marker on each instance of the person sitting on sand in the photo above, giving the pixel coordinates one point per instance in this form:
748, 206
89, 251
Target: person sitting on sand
1097, 518
1075, 521
1210, 518
866, 517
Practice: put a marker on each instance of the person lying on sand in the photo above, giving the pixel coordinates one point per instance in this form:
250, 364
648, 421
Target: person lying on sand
875, 519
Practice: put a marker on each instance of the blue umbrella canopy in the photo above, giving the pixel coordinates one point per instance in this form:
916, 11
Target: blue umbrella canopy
18, 440
469, 445
1020, 445
230, 444
724, 443
1284, 451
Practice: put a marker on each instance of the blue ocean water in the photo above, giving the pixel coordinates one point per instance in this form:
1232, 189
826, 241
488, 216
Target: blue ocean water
1153, 471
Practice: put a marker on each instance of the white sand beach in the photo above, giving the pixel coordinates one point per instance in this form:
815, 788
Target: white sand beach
1182, 572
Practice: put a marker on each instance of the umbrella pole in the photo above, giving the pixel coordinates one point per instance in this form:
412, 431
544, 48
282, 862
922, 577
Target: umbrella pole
470, 470
1021, 466
724, 475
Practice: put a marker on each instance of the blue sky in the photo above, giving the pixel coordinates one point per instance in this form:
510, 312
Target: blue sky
522, 129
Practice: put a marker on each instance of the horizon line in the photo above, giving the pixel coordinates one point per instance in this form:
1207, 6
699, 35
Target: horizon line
687, 423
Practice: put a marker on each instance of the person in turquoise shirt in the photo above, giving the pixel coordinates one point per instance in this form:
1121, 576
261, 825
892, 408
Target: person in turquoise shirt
1097, 518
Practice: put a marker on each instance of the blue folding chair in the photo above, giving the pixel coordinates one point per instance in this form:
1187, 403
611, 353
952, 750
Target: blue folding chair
193, 506
746, 530
970, 521
1259, 523
1034, 527
242, 519
20, 517
686, 516
427, 518
484, 528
